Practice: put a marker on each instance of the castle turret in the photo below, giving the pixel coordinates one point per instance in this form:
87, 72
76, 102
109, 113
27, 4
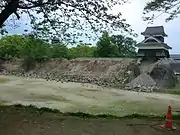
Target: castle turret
153, 45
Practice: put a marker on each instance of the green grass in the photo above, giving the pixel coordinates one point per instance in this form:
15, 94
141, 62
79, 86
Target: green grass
4, 80
34, 109
175, 90
51, 97
54, 98
2, 102
121, 108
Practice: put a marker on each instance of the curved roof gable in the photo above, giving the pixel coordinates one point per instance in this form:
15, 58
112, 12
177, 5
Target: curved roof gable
151, 38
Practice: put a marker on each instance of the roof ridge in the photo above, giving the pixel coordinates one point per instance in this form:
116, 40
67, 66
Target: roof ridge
156, 26
154, 30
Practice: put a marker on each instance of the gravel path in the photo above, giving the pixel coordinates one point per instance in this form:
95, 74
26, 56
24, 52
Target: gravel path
83, 97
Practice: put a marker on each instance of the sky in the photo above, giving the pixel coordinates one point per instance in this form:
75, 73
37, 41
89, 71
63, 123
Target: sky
132, 12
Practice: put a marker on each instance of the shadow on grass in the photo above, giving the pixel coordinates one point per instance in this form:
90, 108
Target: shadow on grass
49, 97
42, 110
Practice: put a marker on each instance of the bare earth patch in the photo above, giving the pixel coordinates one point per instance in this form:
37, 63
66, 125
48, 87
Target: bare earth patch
73, 97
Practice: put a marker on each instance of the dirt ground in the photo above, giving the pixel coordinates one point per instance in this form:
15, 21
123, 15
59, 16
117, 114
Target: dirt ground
20, 121
73, 97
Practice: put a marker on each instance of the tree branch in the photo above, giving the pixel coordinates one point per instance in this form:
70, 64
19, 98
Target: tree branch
9, 9
17, 15
166, 7
33, 6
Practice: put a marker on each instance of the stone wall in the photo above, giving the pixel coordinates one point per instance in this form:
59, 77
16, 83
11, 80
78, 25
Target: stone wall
101, 71
156, 76
104, 72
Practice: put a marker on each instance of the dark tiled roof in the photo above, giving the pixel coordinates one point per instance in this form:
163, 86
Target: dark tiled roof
154, 44
156, 30
175, 56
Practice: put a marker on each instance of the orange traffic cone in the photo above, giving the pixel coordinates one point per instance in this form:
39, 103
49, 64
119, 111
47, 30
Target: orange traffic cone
168, 125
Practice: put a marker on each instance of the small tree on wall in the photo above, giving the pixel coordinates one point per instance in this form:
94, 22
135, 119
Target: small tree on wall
115, 46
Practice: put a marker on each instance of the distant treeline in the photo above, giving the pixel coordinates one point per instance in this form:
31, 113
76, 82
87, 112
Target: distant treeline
28, 47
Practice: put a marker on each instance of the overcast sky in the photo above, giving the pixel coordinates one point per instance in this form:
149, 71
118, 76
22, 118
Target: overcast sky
133, 13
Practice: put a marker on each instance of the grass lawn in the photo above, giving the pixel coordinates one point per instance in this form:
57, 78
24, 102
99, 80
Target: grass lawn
20, 120
175, 90
75, 97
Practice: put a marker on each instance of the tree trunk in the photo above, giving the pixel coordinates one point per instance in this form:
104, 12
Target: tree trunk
10, 8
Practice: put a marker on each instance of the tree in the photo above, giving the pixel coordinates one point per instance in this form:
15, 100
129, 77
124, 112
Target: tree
115, 46
105, 48
34, 49
126, 45
81, 50
10, 46
3, 30
58, 50
27, 47
58, 18
170, 7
